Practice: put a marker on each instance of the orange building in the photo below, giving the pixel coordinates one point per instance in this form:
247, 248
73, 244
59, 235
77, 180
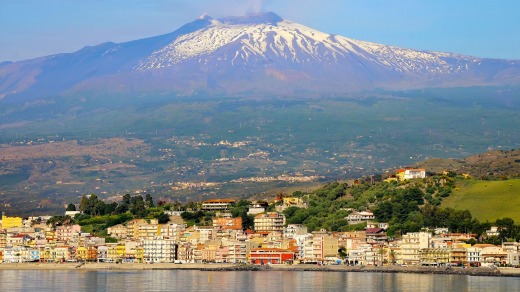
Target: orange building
270, 256
228, 223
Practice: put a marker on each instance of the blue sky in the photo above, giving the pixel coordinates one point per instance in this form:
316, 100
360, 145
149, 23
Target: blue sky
33, 28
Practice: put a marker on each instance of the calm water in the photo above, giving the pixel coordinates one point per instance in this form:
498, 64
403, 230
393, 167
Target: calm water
175, 280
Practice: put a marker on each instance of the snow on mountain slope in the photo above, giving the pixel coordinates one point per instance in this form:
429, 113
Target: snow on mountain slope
297, 44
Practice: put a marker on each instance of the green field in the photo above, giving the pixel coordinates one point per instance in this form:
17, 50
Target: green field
487, 200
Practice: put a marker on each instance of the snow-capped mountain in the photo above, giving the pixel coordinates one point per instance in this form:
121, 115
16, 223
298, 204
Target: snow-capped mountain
254, 54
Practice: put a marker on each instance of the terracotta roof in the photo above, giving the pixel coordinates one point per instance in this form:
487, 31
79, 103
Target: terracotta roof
263, 232
374, 230
481, 245
220, 201
270, 249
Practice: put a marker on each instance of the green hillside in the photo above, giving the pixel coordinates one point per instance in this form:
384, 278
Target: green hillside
487, 200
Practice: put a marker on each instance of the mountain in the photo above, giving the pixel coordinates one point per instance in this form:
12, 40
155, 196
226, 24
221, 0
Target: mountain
257, 54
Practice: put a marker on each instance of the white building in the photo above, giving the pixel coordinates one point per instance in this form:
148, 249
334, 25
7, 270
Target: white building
270, 221
493, 231
302, 241
172, 231
358, 217
410, 173
513, 258
257, 208
102, 253
294, 229
237, 251
308, 249
159, 250
410, 244
218, 204
12, 255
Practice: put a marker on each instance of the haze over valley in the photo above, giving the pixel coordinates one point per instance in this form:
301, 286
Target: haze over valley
236, 106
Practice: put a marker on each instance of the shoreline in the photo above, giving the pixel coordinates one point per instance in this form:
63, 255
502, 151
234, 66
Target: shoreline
498, 272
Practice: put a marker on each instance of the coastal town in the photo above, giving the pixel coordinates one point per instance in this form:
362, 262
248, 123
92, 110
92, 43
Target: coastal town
271, 241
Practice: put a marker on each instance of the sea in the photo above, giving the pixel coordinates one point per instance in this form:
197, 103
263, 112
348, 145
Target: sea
193, 280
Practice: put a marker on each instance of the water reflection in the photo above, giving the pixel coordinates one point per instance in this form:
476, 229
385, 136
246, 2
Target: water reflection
179, 280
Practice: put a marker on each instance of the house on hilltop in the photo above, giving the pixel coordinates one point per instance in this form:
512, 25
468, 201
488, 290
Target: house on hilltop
410, 173
358, 217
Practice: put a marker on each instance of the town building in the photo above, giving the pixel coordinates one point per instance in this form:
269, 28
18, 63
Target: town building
358, 217
264, 256
257, 208
324, 246
159, 250
9, 222
411, 244
293, 230
218, 204
291, 202
66, 232
228, 223
410, 173
271, 221
434, 256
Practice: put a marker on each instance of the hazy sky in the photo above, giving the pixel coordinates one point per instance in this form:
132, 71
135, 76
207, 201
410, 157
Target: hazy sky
33, 28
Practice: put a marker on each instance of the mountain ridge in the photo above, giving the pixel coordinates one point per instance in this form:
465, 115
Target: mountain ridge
260, 53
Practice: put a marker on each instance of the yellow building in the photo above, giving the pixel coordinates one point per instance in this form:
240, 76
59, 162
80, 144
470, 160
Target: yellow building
60, 254
81, 253
118, 231
139, 254
112, 252
434, 256
292, 201
121, 251
116, 252
46, 254
9, 222
50, 234
3, 240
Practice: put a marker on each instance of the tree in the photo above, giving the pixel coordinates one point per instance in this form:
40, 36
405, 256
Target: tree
493, 240
110, 208
162, 218
471, 241
60, 220
342, 252
137, 207
71, 207
126, 199
506, 227
83, 204
149, 201
87, 204
99, 208
248, 221
121, 208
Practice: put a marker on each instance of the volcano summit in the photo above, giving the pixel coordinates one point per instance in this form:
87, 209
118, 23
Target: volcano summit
257, 54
